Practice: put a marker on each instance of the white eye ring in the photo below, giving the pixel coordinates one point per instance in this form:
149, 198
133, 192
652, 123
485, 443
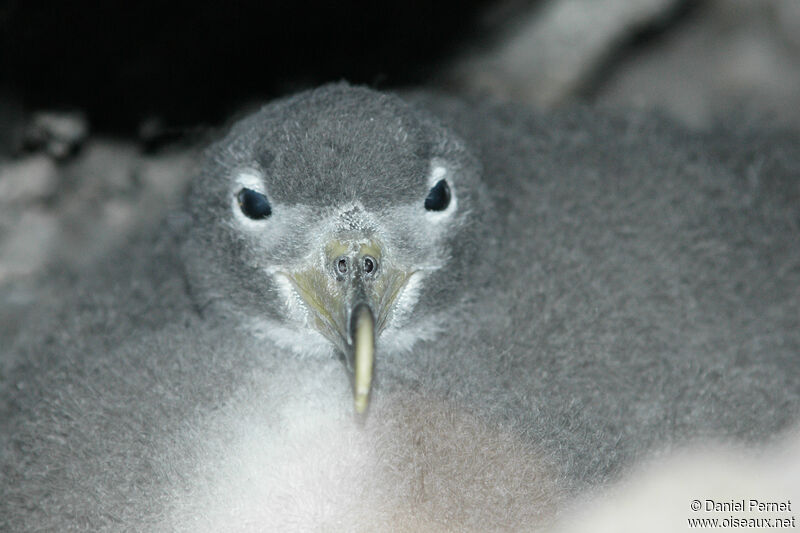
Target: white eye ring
249, 179
440, 172
246, 179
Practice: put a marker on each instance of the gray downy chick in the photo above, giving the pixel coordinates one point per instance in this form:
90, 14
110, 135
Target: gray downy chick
376, 313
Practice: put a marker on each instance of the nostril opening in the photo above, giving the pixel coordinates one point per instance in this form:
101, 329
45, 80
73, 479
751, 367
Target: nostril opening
369, 265
341, 265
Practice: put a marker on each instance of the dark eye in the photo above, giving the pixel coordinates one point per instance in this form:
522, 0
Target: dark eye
254, 204
439, 197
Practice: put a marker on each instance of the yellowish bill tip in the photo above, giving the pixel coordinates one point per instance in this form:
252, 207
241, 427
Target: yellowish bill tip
364, 345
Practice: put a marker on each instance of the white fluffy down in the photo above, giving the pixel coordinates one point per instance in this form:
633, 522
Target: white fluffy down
419, 464
413, 464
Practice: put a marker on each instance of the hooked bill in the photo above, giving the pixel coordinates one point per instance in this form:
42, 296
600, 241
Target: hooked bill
364, 354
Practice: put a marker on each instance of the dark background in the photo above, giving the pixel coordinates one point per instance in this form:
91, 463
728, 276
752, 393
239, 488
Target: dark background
196, 61
188, 63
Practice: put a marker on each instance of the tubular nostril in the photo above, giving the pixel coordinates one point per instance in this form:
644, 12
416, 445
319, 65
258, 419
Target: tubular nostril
341, 265
370, 264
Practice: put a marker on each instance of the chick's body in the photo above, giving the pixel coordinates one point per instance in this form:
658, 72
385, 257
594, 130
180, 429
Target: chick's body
582, 289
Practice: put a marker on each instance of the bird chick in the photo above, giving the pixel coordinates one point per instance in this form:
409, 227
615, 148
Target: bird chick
339, 220
525, 305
